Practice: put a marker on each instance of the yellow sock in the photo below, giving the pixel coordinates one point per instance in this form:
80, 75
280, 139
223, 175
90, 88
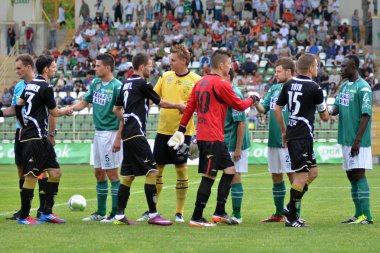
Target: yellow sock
181, 188
159, 181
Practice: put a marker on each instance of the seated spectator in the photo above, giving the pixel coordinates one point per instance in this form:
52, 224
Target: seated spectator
60, 85
249, 67
301, 36
339, 58
68, 99
313, 49
272, 58
55, 53
62, 63
58, 100
69, 83
330, 51
67, 51
6, 98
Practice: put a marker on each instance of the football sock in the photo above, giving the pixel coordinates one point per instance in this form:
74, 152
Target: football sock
42, 192
151, 193
26, 198
114, 189
305, 189
223, 191
181, 187
363, 193
51, 191
102, 193
237, 197
279, 192
296, 193
159, 181
355, 199
20, 185
122, 197
203, 195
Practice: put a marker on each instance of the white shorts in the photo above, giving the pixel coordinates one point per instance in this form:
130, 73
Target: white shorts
241, 166
103, 156
362, 161
279, 160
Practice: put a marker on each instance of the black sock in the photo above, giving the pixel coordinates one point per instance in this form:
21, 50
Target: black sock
122, 198
151, 195
223, 191
42, 192
295, 199
51, 192
20, 185
203, 195
305, 189
26, 202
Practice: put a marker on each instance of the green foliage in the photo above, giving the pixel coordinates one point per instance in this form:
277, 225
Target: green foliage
327, 202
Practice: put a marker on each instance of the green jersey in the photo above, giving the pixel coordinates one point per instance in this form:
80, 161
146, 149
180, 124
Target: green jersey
231, 123
353, 100
187, 7
269, 102
103, 97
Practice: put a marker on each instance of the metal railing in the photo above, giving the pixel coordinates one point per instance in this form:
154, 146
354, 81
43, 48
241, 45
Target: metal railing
8, 65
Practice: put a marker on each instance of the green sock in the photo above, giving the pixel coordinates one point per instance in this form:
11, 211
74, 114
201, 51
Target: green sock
237, 197
355, 199
363, 193
279, 192
114, 190
102, 192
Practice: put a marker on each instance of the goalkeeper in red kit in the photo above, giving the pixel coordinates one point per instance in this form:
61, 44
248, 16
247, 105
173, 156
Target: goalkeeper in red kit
210, 98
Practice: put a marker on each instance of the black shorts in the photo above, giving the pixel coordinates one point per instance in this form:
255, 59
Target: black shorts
163, 154
213, 156
39, 155
301, 155
138, 159
18, 149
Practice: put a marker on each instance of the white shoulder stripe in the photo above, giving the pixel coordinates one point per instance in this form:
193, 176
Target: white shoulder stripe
365, 89
303, 80
38, 80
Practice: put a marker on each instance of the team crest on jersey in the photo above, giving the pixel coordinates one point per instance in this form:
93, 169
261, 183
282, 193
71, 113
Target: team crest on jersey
170, 79
97, 86
276, 92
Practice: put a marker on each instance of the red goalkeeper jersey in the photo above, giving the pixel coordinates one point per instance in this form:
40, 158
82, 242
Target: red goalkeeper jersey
210, 97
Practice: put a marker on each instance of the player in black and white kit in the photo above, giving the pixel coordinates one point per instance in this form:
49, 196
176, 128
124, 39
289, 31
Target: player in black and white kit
132, 107
303, 97
38, 153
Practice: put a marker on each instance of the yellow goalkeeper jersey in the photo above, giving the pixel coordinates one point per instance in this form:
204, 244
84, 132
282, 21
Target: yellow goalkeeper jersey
176, 89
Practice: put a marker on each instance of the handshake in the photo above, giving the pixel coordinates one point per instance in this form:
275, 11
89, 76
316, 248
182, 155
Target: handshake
254, 96
177, 143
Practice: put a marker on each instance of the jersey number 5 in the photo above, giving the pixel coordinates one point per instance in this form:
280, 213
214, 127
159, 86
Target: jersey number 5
293, 99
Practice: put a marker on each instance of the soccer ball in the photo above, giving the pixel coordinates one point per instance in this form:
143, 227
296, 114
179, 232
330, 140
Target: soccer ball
77, 203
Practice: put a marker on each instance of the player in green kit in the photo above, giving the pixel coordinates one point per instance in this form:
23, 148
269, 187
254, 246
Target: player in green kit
278, 156
107, 140
236, 137
354, 106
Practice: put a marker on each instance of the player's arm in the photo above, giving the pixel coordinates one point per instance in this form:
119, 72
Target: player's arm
52, 106
169, 105
18, 109
362, 127
225, 93
52, 129
80, 105
281, 102
321, 105
8, 112
239, 140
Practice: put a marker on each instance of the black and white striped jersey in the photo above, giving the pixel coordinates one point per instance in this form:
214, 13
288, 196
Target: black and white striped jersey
134, 97
39, 98
303, 97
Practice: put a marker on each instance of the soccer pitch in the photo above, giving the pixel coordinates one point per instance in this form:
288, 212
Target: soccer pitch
327, 202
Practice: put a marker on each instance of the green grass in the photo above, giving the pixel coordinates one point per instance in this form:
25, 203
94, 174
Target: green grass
327, 203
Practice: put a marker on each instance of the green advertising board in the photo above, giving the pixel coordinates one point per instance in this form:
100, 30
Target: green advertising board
77, 153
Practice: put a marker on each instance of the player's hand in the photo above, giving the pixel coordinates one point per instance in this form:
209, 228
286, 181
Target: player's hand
237, 155
116, 145
176, 140
69, 111
355, 148
51, 139
255, 97
284, 140
193, 150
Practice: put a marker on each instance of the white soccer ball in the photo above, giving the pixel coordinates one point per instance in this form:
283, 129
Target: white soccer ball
77, 203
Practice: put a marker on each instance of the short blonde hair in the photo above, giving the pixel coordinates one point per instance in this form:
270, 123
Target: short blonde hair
182, 52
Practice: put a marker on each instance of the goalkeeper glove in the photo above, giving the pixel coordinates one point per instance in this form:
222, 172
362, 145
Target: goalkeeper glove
254, 96
176, 140
193, 150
